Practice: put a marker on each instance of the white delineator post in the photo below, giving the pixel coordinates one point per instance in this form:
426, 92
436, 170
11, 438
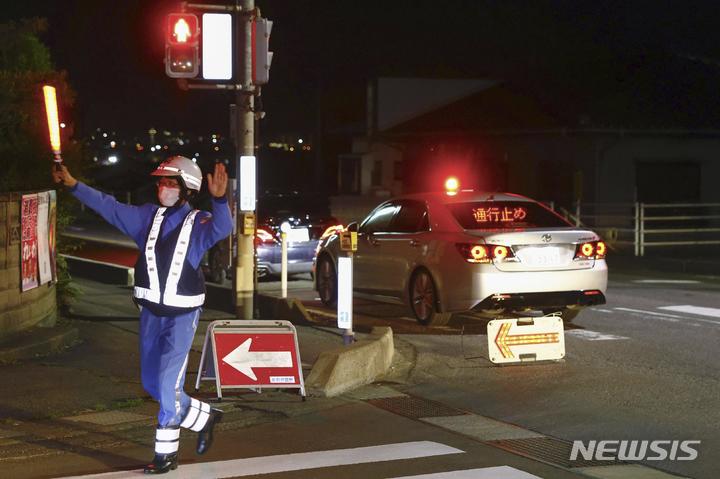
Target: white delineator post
283, 264
345, 297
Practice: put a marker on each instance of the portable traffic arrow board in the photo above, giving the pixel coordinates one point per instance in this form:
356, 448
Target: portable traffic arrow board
526, 339
251, 354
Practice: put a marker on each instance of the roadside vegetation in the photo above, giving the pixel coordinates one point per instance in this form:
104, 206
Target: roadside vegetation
25, 66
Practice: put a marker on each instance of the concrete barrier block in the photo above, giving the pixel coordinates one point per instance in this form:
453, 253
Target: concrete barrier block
348, 367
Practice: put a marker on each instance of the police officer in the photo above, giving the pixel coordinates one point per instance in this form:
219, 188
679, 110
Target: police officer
169, 288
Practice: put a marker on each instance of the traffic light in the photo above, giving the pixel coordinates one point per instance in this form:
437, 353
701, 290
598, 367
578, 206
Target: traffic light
261, 54
181, 45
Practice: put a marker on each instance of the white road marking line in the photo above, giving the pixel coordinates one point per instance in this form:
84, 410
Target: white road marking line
603, 310
296, 462
500, 472
666, 281
593, 335
666, 317
687, 308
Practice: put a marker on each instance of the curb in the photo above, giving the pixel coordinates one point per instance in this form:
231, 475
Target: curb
37, 342
342, 369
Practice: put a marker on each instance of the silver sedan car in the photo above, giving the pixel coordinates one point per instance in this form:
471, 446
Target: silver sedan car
488, 253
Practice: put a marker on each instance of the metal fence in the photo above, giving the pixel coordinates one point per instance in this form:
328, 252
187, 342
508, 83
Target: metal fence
639, 226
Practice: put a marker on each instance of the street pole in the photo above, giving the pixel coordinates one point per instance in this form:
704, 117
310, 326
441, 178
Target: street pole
244, 97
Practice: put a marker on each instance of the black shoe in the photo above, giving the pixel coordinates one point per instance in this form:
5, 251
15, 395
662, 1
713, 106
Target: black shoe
205, 437
162, 463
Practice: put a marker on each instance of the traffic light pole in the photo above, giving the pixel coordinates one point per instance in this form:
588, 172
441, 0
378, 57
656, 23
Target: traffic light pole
244, 82
245, 137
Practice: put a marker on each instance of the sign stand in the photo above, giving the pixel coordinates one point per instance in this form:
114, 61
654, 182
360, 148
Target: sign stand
251, 354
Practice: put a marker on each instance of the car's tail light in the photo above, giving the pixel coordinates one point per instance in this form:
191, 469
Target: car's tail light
331, 230
592, 250
263, 237
500, 252
600, 250
480, 253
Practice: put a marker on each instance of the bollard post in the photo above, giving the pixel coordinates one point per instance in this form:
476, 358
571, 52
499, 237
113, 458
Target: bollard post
283, 264
348, 244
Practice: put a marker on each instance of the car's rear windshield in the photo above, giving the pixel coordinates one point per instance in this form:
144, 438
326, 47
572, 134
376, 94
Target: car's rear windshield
478, 215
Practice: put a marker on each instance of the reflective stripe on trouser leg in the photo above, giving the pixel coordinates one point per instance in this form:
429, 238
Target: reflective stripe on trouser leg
167, 440
197, 415
165, 344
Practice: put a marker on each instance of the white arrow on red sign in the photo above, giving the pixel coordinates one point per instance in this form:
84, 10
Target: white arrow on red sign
244, 360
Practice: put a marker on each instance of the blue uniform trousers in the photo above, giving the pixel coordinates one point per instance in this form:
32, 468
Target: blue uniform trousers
165, 342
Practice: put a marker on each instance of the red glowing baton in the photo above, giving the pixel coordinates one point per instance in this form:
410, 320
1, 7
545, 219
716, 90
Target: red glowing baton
53, 121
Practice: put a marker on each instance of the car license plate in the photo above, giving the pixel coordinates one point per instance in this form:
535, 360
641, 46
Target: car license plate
544, 256
298, 235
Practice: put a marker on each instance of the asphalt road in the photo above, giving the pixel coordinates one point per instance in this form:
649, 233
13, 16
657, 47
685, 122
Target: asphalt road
641, 367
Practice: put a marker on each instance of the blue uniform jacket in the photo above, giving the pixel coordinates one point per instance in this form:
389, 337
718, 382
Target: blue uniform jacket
135, 221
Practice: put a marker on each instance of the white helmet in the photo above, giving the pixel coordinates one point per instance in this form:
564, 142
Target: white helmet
182, 167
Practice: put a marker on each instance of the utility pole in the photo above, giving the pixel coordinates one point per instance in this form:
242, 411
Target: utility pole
245, 101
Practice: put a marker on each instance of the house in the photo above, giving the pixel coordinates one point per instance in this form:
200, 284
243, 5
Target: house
494, 136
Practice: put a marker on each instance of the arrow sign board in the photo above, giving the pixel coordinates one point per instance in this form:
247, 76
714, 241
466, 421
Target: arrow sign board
526, 339
251, 354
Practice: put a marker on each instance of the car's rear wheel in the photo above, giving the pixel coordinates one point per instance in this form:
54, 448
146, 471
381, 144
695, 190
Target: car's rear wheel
424, 300
326, 281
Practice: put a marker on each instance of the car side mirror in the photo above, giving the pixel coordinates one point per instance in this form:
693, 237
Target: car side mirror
352, 227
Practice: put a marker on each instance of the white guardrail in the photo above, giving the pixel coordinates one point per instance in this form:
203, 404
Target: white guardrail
649, 225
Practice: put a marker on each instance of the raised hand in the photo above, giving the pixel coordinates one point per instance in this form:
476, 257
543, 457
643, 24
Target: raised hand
217, 182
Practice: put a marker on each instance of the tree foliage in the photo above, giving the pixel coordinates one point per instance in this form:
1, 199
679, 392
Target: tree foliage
25, 66
25, 155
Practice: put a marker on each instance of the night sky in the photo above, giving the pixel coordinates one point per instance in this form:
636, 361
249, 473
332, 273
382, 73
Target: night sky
113, 51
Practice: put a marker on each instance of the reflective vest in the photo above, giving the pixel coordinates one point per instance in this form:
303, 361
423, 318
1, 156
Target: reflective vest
165, 282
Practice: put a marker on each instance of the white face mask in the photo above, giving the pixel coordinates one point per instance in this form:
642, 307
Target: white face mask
168, 196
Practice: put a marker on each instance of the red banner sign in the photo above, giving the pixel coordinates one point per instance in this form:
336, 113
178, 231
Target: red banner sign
29, 242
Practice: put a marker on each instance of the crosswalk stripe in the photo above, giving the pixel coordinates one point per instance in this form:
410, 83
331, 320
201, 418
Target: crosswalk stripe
699, 310
500, 472
593, 335
297, 461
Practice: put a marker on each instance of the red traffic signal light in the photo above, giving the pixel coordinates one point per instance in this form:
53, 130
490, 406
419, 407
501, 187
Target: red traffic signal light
181, 45
182, 29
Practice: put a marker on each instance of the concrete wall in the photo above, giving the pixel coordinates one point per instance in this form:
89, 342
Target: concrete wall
18, 310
